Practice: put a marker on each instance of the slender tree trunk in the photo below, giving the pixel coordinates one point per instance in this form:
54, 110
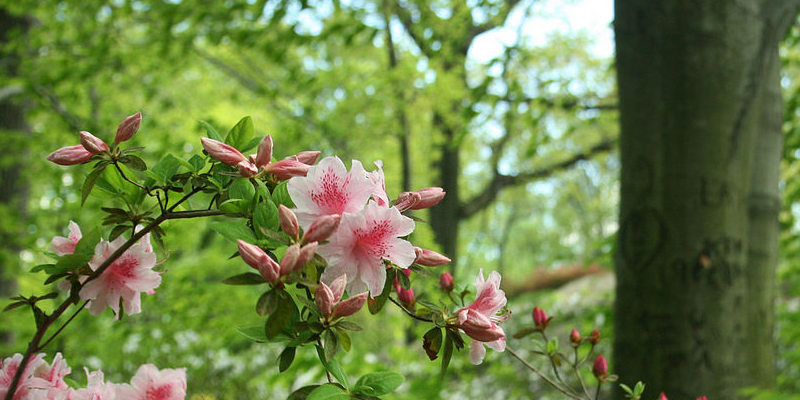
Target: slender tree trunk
700, 144
445, 216
13, 191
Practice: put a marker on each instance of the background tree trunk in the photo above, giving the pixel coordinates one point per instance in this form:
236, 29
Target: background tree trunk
700, 146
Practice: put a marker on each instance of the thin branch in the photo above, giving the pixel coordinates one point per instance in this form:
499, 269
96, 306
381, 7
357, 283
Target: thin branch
64, 325
546, 378
500, 181
74, 122
407, 311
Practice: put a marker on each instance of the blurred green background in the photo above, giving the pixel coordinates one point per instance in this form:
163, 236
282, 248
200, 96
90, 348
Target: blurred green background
522, 96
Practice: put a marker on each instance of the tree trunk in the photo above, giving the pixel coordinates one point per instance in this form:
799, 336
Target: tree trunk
699, 110
13, 191
445, 216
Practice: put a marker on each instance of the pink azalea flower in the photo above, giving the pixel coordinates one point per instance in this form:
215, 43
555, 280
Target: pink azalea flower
39, 377
96, 389
362, 242
66, 245
329, 189
128, 276
478, 320
151, 384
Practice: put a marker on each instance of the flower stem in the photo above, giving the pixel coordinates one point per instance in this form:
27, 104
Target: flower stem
546, 378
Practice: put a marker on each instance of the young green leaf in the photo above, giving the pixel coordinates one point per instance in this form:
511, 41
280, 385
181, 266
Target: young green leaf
286, 358
210, 131
241, 133
328, 391
247, 278
378, 383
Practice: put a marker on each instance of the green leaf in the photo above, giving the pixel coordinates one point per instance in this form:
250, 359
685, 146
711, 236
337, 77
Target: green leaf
241, 189
338, 372
351, 326
280, 195
344, 339
254, 333
447, 354
42, 267
91, 179
134, 162
524, 332
267, 303
212, 133
331, 342
286, 358
233, 231
241, 133
165, 169
247, 278
282, 316
378, 383
302, 393
405, 283
235, 206
14, 305
375, 305
432, 342
197, 162
328, 391
265, 217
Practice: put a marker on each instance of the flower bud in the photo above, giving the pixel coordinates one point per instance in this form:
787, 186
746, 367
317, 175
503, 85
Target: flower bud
540, 318
264, 155
406, 200
429, 197
307, 157
70, 155
406, 296
662, 396
94, 144
479, 326
594, 337
286, 169
323, 296
322, 228
702, 398
446, 282
600, 368
288, 221
246, 168
128, 127
429, 258
350, 306
306, 254
575, 337
337, 287
257, 258
223, 152
289, 259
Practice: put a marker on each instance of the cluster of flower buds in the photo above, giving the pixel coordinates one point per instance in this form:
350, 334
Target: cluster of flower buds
261, 162
295, 258
330, 303
419, 199
91, 144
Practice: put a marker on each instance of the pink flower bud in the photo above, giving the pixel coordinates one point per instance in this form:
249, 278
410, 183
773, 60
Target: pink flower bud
70, 155
350, 306
594, 337
406, 200
446, 282
94, 144
429, 258
323, 296
246, 168
406, 296
288, 221
575, 337
223, 152
662, 396
128, 127
479, 326
322, 228
289, 259
285, 169
600, 368
257, 258
264, 155
429, 197
702, 398
306, 157
540, 318
337, 287
306, 254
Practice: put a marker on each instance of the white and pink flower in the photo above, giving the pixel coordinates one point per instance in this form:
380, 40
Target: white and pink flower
124, 280
153, 384
328, 188
40, 379
478, 320
362, 243
66, 245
